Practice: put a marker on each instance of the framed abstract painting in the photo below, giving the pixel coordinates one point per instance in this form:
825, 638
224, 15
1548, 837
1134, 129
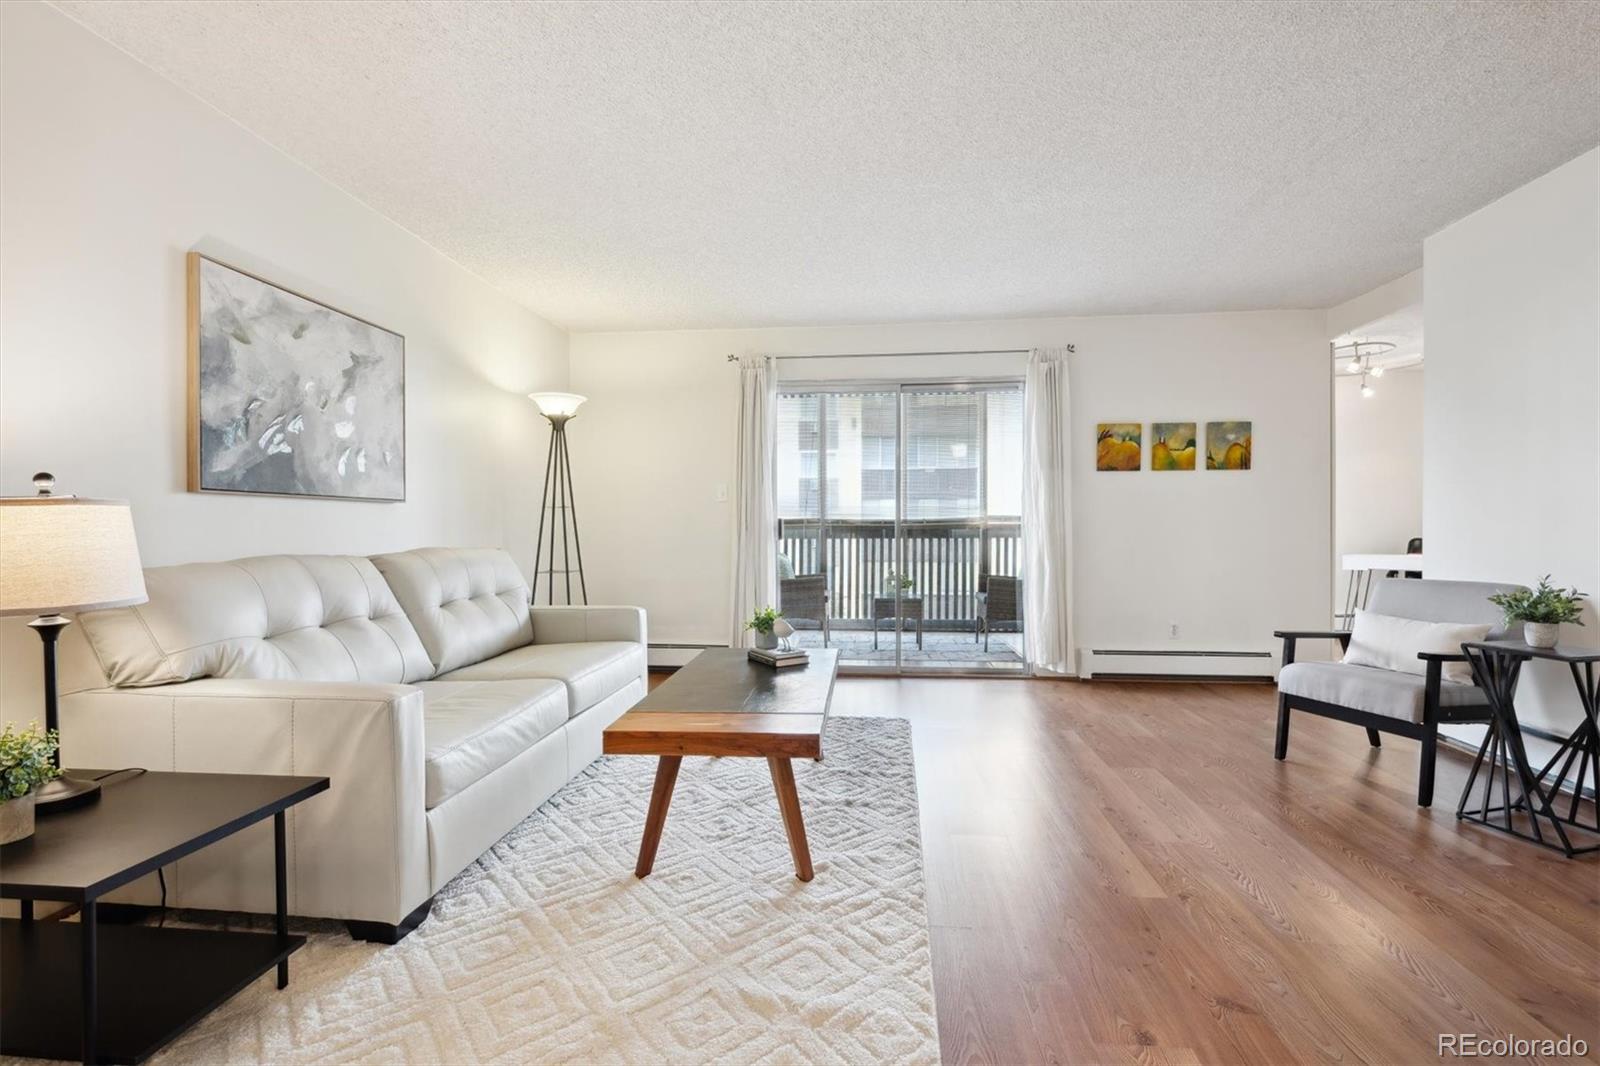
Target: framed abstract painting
1172, 445
1227, 445
288, 396
1119, 446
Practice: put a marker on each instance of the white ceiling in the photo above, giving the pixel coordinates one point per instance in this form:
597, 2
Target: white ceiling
668, 165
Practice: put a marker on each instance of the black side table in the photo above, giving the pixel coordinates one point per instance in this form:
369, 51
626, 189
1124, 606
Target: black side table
1496, 666
119, 993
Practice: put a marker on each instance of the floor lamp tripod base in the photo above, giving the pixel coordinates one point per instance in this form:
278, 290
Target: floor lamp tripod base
65, 792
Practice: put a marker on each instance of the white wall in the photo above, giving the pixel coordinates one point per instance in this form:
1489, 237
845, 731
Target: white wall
1511, 469
109, 175
1227, 556
1377, 466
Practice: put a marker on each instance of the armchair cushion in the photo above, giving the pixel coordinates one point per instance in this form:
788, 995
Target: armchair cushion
473, 728
1390, 643
590, 671
1391, 693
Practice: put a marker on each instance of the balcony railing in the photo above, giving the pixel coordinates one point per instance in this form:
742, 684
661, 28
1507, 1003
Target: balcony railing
946, 560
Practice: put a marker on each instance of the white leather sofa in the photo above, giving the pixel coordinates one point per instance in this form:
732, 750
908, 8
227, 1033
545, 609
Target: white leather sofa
442, 707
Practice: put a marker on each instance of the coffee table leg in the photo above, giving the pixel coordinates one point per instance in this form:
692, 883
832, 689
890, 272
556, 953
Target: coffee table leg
789, 805
656, 820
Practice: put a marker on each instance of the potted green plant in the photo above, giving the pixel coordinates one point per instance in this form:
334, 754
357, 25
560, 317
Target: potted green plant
27, 760
894, 581
1541, 611
762, 622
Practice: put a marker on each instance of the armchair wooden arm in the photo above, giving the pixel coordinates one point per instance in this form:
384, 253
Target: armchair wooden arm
1290, 636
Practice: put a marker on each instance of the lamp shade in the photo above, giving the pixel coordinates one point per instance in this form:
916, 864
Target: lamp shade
557, 404
65, 554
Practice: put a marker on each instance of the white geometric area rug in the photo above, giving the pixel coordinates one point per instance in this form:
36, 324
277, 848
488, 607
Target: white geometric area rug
548, 949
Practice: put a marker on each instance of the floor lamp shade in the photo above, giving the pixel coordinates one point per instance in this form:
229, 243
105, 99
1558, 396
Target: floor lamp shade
60, 553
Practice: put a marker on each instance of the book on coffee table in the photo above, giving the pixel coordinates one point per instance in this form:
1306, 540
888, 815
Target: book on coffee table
776, 658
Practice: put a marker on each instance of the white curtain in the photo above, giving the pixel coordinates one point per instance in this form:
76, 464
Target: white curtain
1047, 513
755, 566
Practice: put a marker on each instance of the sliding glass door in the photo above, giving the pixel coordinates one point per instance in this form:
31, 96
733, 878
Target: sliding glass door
899, 533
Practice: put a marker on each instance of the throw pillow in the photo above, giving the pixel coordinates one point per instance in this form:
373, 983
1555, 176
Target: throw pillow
1390, 643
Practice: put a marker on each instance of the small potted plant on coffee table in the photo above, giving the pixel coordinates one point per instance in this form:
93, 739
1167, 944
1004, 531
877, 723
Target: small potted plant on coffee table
1541, 611
763, 622
27, 760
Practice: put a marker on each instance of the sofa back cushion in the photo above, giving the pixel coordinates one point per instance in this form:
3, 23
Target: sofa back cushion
468, 604
1428, 600
282, 617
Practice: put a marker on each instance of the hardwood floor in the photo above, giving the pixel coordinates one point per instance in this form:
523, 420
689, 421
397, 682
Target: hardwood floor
1121, 872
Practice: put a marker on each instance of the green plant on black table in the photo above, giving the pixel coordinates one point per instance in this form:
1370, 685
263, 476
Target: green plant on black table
1546, 605
894, 579
27, 760
763, 621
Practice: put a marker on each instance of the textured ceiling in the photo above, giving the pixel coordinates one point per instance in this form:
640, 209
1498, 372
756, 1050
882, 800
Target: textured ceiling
663, 165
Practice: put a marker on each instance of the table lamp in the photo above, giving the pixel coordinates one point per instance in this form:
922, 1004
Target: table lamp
62, 553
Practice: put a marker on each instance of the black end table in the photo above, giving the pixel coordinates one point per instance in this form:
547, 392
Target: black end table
119, 993
1496, 667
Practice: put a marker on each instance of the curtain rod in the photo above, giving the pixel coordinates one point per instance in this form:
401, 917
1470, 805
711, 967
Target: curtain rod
905, 355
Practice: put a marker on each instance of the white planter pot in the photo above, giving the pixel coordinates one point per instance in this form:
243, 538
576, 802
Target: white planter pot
766, 641
1540, 634
16, 819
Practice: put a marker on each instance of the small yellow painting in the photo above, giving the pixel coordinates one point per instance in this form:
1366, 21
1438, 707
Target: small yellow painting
1172, 445
1227, 445
1119, 446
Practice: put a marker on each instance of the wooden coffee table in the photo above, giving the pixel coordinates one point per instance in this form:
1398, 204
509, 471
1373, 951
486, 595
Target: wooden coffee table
724, 704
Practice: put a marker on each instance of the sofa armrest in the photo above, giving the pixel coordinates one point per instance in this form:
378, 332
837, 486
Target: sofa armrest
1290, 636
359, 850
574, 625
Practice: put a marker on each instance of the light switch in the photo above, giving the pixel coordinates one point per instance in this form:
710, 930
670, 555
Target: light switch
722, 493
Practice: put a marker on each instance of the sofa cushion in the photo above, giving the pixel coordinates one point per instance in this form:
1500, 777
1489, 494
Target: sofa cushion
471, 728
467, 604
273, 617
1365, 688
591, 671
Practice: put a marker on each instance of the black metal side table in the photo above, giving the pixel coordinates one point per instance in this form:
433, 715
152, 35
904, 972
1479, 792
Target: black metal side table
1496, 666
104, 992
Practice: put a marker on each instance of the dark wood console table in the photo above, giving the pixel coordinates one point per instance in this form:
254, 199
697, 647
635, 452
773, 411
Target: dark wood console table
1529, 797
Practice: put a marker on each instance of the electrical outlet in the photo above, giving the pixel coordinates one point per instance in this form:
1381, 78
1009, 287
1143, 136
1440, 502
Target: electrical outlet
1172, 631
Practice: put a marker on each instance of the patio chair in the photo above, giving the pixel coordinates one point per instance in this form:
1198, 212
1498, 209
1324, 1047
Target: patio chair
1393, 701
999, 600
805, 598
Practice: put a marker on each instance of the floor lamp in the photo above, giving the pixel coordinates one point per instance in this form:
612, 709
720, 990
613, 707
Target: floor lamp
556, 500
60, 553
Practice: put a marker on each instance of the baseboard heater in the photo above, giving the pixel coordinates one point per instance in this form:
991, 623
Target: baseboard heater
1176, 664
